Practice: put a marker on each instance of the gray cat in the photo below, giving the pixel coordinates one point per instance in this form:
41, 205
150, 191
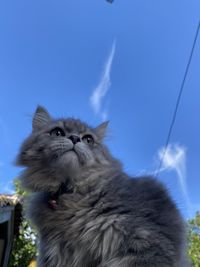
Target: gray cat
87, 211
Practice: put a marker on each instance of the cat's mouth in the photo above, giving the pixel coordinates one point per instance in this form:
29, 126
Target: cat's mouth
71, 152
68, 151
53, 199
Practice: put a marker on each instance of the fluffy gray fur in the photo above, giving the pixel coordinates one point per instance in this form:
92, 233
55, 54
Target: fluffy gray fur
106, 219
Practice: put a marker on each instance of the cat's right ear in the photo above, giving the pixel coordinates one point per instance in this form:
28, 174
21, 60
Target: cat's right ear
40, 118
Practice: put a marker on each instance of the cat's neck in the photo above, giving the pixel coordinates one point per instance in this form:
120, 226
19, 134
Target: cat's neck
93, 179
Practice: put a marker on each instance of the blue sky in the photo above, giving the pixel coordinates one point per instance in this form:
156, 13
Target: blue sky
93, 60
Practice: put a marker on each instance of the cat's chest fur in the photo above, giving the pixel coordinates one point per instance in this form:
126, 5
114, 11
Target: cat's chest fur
77, 226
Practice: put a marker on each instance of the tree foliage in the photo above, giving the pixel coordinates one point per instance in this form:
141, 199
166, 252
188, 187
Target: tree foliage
194, 240
24, 246
24, 249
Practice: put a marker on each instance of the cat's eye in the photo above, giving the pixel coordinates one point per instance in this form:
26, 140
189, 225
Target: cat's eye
57, 132
88, 139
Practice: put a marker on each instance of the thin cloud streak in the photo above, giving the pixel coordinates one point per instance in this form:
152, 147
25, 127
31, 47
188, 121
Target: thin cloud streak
4, 132
174, 158
1, 163
7, 188
102, 88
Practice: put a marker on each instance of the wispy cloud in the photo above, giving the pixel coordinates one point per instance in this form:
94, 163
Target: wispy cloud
7, 188
102, 88
1, 163
174, 159
4, 132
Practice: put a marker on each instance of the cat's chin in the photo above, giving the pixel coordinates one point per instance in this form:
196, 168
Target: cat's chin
70, 157
69, 162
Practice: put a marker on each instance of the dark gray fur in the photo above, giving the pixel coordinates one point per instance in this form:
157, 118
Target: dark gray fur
109, 219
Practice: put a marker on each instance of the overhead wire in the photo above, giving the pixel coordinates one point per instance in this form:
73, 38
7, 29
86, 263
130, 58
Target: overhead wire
178, 101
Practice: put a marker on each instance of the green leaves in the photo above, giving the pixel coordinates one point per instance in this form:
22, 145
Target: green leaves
24, 249
24, 246
194, 240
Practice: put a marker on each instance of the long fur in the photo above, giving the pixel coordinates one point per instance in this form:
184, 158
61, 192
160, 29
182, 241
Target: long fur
109, 219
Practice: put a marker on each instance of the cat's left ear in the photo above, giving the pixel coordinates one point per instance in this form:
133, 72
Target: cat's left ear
40, 118
101, 130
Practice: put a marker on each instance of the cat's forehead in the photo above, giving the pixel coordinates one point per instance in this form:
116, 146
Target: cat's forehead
75, 125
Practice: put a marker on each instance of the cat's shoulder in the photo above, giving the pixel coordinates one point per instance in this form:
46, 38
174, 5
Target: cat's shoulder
148, 183
145, 188
149, 187
143, 183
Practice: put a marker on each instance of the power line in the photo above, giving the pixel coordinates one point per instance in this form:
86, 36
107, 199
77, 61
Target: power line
178, 100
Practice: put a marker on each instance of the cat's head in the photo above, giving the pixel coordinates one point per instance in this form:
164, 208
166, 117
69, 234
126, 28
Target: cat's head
59, 149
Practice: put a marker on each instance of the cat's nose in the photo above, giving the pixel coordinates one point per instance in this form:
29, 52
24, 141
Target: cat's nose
74, 138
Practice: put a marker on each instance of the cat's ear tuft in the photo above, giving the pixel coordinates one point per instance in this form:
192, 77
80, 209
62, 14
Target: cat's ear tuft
101, 130
40, 118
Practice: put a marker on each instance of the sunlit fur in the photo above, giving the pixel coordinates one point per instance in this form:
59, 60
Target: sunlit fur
109, 219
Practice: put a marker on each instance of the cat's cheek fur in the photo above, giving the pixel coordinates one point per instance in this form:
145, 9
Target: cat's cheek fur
40, 181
